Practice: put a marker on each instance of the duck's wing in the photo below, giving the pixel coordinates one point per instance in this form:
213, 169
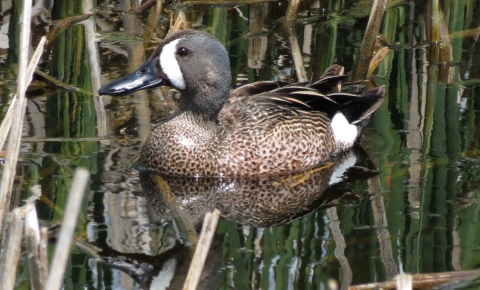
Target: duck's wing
291, 101
257, 88
329, 82
298, 100
279, 99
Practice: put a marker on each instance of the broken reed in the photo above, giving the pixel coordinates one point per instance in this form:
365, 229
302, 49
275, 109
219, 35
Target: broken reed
18, 116
24, 223
203, 246
369, 39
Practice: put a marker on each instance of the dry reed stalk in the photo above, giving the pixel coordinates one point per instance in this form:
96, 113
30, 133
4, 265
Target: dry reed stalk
435, 27
153, 21
54, 82
145, 6
63, 24
332, 284
11, 252
208, 230
437, 30
182, 221
257, 46
297, 56
17, 122
180, 23
377, 59
7, 122
440, 47
427, 281
62, 248
292, 12
24, 78
445, 56
37, 266
43, 250
94, 60
404, 281
158, 9
369, 39
18, 108
223, 2
290, 19
89, 249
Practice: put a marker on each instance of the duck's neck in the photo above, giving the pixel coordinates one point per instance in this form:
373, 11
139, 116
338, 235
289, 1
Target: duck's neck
204, 101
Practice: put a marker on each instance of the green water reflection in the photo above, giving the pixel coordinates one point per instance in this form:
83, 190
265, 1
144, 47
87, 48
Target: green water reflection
420, 214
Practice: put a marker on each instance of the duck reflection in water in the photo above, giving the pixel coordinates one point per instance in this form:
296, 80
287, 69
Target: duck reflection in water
263, 201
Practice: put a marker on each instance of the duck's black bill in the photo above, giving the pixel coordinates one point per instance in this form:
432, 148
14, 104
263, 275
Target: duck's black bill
143, 78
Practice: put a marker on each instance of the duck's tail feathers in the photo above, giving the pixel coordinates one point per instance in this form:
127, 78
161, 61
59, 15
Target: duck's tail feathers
330, 81
360, 109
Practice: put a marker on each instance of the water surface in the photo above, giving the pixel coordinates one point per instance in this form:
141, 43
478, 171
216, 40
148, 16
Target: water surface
419, 214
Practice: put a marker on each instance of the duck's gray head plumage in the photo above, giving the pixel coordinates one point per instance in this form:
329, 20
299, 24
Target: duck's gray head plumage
193, 62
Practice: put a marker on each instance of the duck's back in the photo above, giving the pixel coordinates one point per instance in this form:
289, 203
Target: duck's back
277, 127
259, 136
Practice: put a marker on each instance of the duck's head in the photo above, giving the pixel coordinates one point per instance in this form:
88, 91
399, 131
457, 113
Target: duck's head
193, 62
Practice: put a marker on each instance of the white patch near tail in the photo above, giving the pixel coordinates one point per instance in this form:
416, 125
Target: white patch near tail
337, 175
169, 65
343, 131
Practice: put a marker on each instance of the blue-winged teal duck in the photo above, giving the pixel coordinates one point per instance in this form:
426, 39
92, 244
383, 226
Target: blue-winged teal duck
260, 128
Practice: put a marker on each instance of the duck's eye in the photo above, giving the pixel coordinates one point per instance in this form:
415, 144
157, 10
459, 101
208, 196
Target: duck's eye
182, 51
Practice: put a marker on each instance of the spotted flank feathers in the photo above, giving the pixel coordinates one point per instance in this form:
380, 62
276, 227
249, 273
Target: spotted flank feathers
261, 128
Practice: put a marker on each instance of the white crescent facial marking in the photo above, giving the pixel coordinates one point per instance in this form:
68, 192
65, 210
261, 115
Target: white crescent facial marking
342, 130
169, 65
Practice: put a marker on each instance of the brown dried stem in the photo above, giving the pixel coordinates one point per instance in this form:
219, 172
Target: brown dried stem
36, 259
11, 253
24, 78
203, 246
426, 281
62, 248
369, 39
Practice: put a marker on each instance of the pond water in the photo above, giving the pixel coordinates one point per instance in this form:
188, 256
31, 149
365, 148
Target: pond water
410, 203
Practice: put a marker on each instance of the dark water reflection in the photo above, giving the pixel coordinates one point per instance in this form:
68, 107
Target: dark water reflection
420, 214
260, 205
261, 201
